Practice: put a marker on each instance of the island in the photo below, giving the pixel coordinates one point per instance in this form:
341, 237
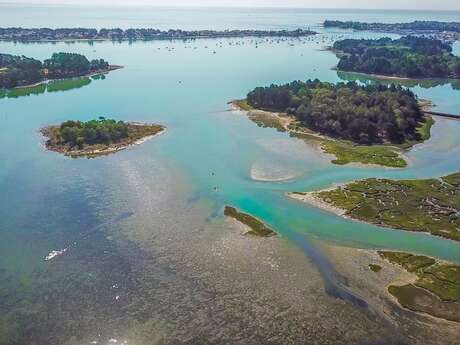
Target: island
446, 31
371, 124
430, 205
21, 71
435, 289
97, 137
117, 34
406, 57
257, 227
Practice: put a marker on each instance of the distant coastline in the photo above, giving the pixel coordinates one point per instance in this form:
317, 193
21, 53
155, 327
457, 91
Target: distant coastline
446, 31
25, 35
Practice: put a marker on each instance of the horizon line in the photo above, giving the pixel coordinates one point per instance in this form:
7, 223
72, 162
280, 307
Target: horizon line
53, 4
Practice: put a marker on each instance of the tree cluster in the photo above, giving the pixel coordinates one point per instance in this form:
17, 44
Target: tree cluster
362, 114
101, 131
61, 64
410, 56
20, 70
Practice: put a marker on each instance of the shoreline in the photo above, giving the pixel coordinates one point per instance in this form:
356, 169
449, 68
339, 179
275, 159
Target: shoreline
313, 200
69, 40
393, 77
88, 75
100, 152
286, 121
223, 34
355, 264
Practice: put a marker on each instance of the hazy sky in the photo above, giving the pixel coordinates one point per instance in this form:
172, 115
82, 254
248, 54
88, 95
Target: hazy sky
372, 4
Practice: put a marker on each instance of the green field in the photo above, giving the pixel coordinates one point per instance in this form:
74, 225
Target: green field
373, 154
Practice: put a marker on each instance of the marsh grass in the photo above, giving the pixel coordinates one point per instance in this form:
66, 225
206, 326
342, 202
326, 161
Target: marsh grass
436, 290
257, 227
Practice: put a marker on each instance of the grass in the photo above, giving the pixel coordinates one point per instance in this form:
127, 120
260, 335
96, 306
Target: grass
374, 154
242, 104
436, 290
431, 205
425, 129
257, 227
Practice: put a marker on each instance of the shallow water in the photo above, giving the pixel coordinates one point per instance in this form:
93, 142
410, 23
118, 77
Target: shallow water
49, 202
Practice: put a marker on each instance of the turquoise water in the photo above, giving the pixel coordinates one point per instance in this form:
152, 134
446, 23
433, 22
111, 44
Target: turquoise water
47, 201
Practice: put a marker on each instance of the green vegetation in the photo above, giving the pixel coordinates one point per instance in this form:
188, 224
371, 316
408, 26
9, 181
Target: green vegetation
76, 138
71, 64
362, 114
430, 205
21, 71
436, 290
102, 131
409, 56
425, 129
258, 228
242, 104
345, 151
375, 154
18, 70
410, 262
375, 268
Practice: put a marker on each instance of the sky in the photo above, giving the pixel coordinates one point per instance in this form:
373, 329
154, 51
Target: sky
364, 4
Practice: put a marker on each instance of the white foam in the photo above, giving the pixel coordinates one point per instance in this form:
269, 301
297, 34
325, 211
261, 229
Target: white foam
55, 253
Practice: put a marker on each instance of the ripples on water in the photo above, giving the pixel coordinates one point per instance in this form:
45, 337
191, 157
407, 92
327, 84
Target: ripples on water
145, 220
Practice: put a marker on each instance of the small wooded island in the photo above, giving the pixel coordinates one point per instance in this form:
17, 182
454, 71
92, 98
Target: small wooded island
19, 71
406, 57
96, 137
365, 124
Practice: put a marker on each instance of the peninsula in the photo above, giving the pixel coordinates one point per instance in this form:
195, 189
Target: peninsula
407, 57
20, 71
365, 124
436, 289
446, 31
96, 137
430, 205
117, 34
